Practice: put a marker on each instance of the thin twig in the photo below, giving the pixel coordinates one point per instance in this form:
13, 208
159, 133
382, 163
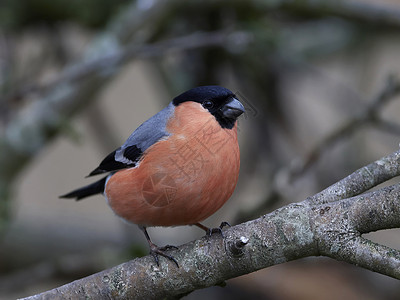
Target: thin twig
369, 115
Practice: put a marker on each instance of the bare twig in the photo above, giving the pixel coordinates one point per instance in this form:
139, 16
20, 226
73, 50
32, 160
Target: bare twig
39, 121
369, 115
361, 180
390, 127
112, 61
363, 12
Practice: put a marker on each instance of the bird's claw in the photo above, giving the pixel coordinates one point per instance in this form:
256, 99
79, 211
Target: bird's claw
155, 251
210, 231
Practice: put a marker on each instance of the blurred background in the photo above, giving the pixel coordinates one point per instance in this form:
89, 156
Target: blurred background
319, 80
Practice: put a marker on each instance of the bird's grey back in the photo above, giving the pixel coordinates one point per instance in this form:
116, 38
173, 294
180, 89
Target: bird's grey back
150, 132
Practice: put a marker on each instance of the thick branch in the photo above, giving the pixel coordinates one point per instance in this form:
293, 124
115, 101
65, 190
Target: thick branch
299, 230
340, 224
276, 238
374, 257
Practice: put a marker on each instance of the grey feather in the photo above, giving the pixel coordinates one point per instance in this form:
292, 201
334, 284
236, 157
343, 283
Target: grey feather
150, 132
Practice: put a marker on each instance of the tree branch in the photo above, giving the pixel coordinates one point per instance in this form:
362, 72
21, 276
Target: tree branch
39, 121
369, 114
35, 124
353, 10
361, 180
356, 183
339, 229
328, 224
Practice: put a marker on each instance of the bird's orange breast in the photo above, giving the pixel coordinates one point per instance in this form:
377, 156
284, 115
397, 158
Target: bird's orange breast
183, 179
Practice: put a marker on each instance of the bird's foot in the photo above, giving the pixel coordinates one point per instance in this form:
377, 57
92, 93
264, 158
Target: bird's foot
155, 251
210, 231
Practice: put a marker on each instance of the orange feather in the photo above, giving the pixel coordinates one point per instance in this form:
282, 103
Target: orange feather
182, 179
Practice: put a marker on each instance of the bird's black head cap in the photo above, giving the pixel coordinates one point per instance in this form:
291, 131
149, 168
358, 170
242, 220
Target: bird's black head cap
216, 100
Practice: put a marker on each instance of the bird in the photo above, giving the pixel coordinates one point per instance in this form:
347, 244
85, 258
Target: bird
177, 168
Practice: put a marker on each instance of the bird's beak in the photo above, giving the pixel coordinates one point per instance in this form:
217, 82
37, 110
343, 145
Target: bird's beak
233, 109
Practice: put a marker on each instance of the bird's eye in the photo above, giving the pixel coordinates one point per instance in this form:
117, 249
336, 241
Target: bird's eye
208, 104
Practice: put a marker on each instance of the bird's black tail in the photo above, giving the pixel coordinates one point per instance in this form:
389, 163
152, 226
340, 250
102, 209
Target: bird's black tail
86, 191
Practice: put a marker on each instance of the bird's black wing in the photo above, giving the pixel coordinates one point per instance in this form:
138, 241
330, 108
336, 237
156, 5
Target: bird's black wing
147, 134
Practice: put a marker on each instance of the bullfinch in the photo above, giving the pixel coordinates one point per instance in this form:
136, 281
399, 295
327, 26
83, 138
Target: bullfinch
178, 167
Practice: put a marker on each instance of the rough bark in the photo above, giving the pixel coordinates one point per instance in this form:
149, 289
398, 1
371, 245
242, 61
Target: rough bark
330, 223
